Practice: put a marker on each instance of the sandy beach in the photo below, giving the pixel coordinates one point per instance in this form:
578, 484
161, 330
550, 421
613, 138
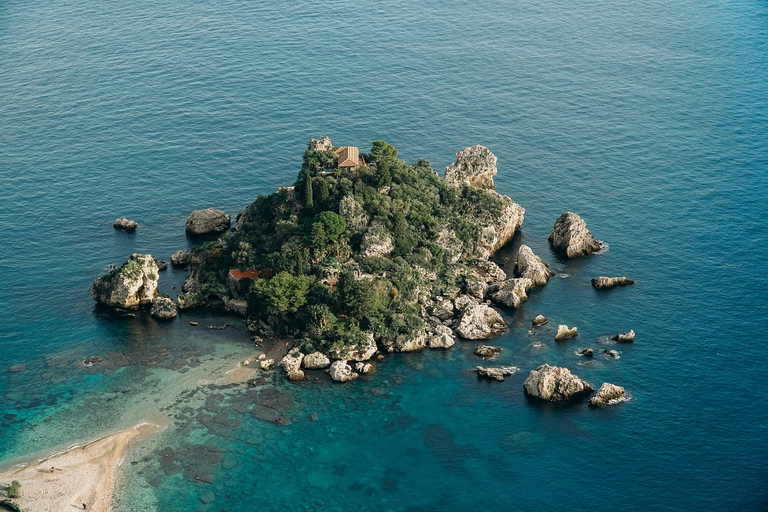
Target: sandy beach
83, 474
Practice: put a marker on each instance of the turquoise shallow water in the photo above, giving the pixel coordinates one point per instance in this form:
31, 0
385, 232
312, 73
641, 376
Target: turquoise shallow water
648, 119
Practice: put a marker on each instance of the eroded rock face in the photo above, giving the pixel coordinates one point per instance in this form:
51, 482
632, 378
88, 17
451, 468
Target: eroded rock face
440, 336
497, 373
475, 166
129, 286
340, 371
291, 363
608, 394
125, 224
406, 344
530, 266
163, 307
570, 236
480, 322
353, 214
555, 384
564, 332
362, 351
203, 222
603, 282
510, 293
377, 241
361, 367
486, 351
487, 271
316, 361
498, 229
625, 337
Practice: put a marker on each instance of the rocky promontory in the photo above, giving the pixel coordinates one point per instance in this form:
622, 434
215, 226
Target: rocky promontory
475, 167
555, 384
132, 284
571, 238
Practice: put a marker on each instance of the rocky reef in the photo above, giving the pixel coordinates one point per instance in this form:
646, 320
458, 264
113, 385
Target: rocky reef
555, 384
129, 286
571, 238
603, 282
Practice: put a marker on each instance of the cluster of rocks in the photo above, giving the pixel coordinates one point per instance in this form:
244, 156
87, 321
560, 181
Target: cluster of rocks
125, 225
349, 362
557, 384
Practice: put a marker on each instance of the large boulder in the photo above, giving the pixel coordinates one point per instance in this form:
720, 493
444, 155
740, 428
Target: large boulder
571, 237
530, 266
480, 322
555, 384
625, 337
602, 282
539, 320
488, 351
363, 348
132, 284
487, 271
340, 371
608, 394
180, 259
316, 361
475, 166
510, 293
163, 307
204, 222
440, 336
291, 362
411, 343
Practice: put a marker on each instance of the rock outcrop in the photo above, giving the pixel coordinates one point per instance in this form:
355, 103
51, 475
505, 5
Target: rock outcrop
180, 259
291, 363
204, 222
498, 229
603, 282
539, 320
480, 322
608, 394
417, 341
587, 352
613, 354
132, 284
487, 351
510, 293
497, 373
530, 266
555, 384
571, 237
316, 361
353, 214
125, 225
377, 241
475, 166
564, 332
362, 350
340, 371
163, 307
362, 367
625, 337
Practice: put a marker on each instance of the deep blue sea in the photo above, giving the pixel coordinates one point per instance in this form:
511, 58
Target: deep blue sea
649, 119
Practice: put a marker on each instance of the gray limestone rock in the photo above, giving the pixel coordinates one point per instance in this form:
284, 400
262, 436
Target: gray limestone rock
540, 320
125, 225
608, 394
180, 259
132, 284
316, 361
475, 166
406, 343
362, 350
497, 373
163, 307
555, 384
625, 337
603, 282
340, 371
377, 241
291, 363
510, 293
203, 222
480, 322
530, 266
571, 237
487, 351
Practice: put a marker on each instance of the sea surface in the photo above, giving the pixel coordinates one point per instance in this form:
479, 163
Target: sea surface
649, 119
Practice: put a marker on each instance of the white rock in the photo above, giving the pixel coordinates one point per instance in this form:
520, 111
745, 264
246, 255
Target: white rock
480, 322
132, 284
341, 371
316, 361
608, 394
530, 266
571, 237
563, 332
510, 293
555, 384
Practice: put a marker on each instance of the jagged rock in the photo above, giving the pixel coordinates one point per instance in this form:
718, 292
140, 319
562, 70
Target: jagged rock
463, 301
163, 307
487, 271
316, 361
480, 322
602, 282
161, 265
496, 229
625, 337
406, 344
191, 284
321, 144
475, 166
587, 352
291, 363
361, 367
362, 350
608, 394
377, 241
128, 286
442, 309
441, 341
486, 351
203, 222
180, 259
612, 353
540, 320
125, 225
564, 332
477, 289
510, 293
571, 237
341, 371
497, 373
530, 266
555, 384
353, 214
267, 364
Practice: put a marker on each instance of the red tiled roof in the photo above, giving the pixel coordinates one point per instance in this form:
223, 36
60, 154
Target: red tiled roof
250, 274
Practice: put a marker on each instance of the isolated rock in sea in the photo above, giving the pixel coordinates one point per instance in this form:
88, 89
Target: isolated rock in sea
614, 354
540, 320
497, 373
316, 361
203, 222
530, 266
510, 293
362, 367
480, 322
564, 332
475, 166
180, 259
486, 351
608, 394
603, 282
291, 363
163, 307
625, 337
587, 352
417, 341
132, 284
555, 384
571, 237
363, 349
125, 224
340, 371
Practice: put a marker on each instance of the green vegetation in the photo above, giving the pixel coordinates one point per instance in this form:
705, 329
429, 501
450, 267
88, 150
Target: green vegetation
350, 250
14, 490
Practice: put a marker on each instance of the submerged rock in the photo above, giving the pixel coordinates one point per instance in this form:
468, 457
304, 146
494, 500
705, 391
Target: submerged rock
480, 322
475, 166
608, 394
132, 284
163, 307
587, 352
555, 384
625, 337
603, 282
540, 320
203, 222
571, 237
125, 225
497, 373
486, 351
340, 371
316, 361
564, 332
530, 266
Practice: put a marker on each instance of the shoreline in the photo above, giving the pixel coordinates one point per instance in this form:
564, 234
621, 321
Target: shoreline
83, 473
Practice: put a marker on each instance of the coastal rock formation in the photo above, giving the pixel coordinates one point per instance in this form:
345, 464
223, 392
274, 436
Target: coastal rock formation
487, 271
203, 222
564, 332
267, 364
441, 308
125, 224
180, 259
497, 373
361, 367
163, 307
291, 363
530, 266
362, 350
510, 293
608, 394
340, 371
540, 320
377, 241
614, 354
450, 243
486, 351
128, 286
475, 166
626, 337
462, 302
316, 361
190, 300
587, 352
555, 384
603, 282
571, 237
406, 343
480, 322
353, 214
439, 335
161, 265
498, 229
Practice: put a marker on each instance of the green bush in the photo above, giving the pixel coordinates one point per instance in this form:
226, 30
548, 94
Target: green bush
14, 490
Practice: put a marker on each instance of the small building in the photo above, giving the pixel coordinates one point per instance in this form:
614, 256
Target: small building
349, 157
240, 282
